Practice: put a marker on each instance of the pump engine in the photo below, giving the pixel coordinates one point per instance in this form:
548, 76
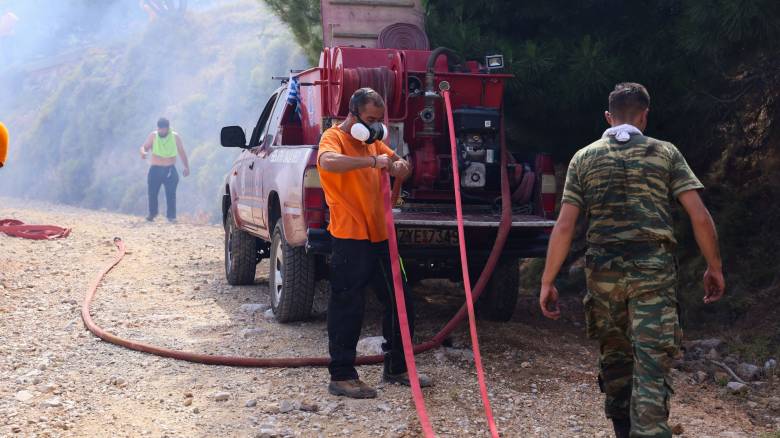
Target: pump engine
477, 131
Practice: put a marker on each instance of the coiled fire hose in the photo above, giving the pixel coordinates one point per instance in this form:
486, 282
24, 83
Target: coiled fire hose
291, 362
16, 228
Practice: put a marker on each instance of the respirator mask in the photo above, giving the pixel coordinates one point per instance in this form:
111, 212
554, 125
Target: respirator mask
368, 133
361, 130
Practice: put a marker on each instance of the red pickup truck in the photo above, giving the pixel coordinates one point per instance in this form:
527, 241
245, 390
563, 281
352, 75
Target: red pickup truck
274, 207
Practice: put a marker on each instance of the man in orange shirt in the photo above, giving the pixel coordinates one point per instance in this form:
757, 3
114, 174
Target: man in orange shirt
351, 159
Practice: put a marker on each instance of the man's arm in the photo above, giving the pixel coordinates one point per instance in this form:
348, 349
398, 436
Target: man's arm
183, 155
558, 249
147, 145
707, 239
340, 163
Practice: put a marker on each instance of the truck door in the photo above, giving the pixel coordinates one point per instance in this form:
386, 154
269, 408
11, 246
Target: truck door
252, 170
268, 135
243, 203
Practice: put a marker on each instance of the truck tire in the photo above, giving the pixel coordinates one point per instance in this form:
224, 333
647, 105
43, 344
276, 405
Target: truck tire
498, 301
240, 253
290, 279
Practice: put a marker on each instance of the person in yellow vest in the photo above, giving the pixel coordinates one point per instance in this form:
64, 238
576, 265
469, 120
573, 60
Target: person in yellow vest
3, 144
165, 145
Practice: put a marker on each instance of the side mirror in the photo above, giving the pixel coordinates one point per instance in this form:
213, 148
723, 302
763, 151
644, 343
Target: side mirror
233, 137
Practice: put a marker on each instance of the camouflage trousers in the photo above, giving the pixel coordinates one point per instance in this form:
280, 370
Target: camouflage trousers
631, 309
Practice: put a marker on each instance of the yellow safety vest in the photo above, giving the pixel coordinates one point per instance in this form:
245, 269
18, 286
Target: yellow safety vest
165, 147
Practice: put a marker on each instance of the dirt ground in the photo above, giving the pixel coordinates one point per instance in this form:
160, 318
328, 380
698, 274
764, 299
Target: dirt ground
60, 380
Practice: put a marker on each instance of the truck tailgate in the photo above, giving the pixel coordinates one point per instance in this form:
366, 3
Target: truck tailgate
446, 217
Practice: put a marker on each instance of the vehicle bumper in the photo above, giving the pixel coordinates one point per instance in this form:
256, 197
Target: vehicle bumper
420, 235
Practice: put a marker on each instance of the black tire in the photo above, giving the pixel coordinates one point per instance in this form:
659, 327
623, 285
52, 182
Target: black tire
498, 301
290, 279
240, 254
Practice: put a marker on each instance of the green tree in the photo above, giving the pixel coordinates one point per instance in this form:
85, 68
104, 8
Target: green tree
303, 18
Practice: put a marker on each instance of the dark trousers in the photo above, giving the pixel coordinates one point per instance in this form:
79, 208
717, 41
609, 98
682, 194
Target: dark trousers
168, 177
356, 264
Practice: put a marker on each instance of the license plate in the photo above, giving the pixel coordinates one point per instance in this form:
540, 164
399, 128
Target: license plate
427, 236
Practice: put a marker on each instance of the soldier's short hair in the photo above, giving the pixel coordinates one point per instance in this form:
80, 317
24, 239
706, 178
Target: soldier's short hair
361, 97
162, 122
628, 99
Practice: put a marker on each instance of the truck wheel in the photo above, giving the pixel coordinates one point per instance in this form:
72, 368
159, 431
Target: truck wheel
291, 279
498, 301
240, 254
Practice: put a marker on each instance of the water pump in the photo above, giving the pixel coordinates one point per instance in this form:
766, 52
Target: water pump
477, 131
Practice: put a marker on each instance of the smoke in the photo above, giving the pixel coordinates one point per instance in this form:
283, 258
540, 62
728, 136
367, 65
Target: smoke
86, 80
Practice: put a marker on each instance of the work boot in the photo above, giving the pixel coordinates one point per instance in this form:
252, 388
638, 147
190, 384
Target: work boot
351, 388
403, 379
622, 427
149, 218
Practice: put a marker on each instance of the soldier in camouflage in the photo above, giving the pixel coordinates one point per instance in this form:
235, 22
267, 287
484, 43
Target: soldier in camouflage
625, 183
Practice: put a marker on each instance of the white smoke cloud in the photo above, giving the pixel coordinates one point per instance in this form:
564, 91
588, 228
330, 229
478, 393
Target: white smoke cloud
87, 85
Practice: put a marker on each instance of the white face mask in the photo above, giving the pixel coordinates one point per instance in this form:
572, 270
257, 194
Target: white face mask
368, 133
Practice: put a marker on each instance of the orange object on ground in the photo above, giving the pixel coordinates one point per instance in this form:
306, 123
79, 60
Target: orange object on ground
15, 228
354, 197
3, 144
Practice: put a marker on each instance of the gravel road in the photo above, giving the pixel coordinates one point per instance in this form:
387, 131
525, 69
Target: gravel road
59, 380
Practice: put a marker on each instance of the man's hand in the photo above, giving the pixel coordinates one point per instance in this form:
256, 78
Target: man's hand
714, 285
186, 171
548, 301
558, 248
383, 162
400, 169
147, 146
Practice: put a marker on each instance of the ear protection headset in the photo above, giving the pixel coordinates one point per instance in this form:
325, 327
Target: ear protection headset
361, 130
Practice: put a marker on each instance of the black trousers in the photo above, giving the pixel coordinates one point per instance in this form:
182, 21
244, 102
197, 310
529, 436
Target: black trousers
168, 177
354, 265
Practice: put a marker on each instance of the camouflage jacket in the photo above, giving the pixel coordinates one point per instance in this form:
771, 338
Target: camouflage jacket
626, 189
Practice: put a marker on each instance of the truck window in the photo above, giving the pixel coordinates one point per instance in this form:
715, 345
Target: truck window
276, 116
257, 136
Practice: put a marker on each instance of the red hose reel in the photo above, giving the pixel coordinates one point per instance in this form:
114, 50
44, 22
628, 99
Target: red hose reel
388, 80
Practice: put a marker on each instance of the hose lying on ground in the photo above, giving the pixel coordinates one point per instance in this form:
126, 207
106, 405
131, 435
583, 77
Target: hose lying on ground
16, 228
